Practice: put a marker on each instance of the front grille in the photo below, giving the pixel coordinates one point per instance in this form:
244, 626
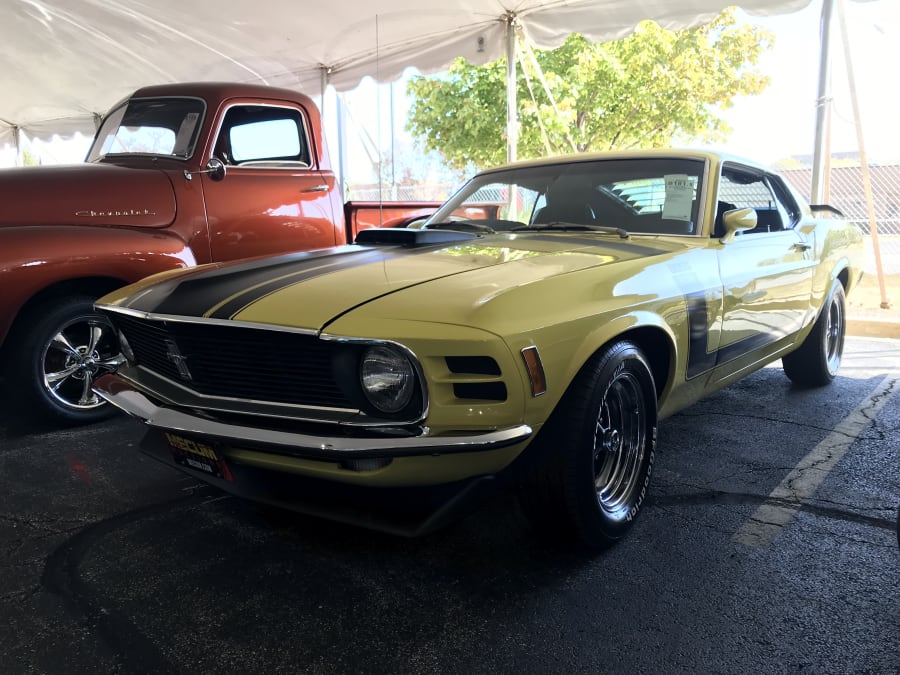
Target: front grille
235, 362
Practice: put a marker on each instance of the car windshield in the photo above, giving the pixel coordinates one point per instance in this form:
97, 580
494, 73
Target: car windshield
648, 195
166, 127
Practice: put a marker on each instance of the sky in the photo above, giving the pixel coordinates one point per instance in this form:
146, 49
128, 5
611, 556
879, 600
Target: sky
780, 122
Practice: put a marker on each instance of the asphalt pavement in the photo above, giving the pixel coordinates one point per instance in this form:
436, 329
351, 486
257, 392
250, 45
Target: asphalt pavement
768, 545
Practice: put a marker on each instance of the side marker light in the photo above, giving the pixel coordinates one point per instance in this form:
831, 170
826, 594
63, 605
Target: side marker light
535, 371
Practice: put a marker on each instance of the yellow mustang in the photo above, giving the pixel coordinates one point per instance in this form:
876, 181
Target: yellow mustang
532, 331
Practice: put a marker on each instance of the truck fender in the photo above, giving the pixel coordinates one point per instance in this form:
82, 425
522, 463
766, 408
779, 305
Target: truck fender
39, 258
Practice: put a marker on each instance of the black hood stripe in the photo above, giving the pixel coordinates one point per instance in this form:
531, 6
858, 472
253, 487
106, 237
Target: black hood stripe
624, 246
224, 291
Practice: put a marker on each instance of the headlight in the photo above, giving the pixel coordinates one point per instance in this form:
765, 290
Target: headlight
387, 377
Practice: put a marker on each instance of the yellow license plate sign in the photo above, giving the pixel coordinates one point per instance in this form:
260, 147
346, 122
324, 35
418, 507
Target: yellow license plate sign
198, 455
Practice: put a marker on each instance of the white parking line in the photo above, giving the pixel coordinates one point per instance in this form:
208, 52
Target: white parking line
804, 479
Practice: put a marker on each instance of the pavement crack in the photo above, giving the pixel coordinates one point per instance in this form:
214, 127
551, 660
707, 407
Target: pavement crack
740, 498
42, 525
776, 420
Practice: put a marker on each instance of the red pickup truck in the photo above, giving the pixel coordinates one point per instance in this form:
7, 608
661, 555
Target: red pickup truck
177, 175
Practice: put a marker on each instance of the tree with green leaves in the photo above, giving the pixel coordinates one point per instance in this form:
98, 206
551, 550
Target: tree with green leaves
647, 90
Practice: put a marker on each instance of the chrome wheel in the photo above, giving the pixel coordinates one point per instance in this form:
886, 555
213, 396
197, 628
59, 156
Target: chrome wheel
834, 335
620, 439
816, 360
83, 349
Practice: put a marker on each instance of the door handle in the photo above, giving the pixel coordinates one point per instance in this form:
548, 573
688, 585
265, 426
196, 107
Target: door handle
800, 248
317, 188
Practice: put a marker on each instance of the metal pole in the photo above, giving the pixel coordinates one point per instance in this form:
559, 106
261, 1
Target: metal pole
512, 122
323, 85
18, 143
863, 162
823, 106
341, 111
393, 146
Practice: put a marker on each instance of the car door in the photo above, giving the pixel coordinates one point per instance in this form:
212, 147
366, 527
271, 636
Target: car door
272, 198
766, 272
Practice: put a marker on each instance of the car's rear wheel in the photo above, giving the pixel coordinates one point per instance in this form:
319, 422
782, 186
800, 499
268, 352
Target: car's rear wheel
595, 455
815, 362
58, 350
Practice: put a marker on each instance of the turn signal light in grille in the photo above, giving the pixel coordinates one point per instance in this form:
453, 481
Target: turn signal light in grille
535, 370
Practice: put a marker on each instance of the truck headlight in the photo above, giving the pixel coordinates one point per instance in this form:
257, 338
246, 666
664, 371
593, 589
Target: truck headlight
387, 377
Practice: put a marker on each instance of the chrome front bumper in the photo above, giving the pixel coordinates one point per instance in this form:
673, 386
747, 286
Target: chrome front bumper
123, 395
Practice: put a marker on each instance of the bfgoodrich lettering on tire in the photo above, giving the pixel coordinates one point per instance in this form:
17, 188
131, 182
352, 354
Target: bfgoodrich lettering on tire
594, 457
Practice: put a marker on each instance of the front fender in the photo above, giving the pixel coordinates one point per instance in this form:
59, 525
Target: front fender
38, 257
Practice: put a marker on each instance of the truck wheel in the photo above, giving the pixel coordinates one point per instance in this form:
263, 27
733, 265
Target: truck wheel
62, 347
595, 455
815, 362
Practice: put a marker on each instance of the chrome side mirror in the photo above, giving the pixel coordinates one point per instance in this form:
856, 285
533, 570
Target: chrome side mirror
215, 168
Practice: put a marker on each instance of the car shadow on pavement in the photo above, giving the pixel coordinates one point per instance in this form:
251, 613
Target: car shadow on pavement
17, 420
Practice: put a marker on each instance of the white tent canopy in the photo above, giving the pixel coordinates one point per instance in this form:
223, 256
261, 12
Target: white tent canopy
67, 61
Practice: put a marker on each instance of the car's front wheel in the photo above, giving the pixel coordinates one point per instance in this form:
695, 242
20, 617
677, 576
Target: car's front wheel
57, 351
815, 362
595, 455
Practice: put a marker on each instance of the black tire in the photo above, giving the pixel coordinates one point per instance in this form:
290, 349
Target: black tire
815, 362
594, 457
56, 352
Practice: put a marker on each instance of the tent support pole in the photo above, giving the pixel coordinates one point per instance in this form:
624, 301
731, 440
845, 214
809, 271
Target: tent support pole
18, 143
823, 107
512, 122
323, 85
863, 162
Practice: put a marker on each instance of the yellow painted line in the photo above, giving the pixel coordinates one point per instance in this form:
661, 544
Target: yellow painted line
804, 479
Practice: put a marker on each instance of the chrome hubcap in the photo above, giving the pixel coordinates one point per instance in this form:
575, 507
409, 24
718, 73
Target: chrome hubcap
80, 352
834, 336
619, 443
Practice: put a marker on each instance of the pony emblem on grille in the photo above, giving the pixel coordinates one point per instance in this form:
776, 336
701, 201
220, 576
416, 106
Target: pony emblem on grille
175, 356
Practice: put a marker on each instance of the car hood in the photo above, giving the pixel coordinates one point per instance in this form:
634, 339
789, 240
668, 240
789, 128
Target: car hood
86, 194
310, 290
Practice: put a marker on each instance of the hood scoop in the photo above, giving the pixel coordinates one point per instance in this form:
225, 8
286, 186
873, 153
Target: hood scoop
403, 236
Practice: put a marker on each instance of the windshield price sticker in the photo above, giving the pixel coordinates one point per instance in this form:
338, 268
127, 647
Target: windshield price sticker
679, 197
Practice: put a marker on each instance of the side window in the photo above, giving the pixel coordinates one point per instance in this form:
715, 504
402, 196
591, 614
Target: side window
264, 136
790, 211
742, 190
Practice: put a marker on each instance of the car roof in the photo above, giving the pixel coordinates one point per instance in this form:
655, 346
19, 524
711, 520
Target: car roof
713, 156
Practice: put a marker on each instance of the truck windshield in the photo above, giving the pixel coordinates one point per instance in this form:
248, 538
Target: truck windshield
166, 127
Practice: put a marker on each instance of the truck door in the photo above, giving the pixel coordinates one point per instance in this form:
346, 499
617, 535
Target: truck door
272, 198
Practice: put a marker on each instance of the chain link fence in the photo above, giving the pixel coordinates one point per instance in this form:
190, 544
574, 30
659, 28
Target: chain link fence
845, 191
428, 192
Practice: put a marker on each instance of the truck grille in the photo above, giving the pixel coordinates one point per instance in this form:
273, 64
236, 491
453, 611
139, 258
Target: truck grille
235, 362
